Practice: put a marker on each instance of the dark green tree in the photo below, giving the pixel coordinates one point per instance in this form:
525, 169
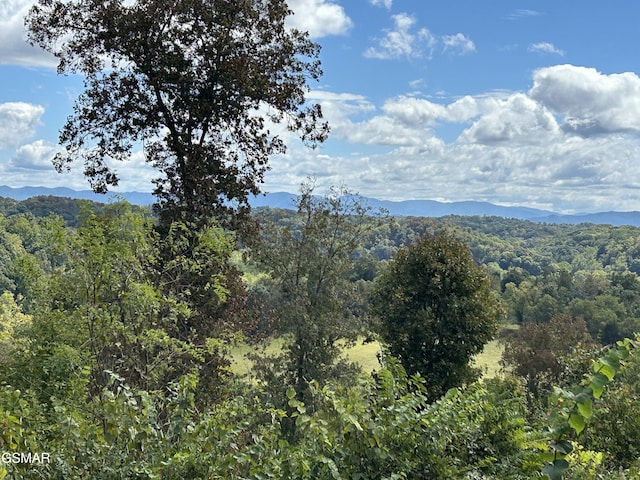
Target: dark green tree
436, 310
194, 83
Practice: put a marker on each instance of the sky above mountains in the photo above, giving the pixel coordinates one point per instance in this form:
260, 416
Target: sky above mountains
511, 102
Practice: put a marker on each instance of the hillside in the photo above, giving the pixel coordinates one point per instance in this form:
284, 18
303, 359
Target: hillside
418, 208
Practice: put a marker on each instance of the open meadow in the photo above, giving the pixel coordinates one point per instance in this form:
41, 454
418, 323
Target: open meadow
364, 354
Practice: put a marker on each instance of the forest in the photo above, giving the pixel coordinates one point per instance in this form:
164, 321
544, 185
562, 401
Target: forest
116, 373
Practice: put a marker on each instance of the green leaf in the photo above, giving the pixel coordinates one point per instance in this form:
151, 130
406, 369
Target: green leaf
597, 383
605, 368
555, 470
585, 408
564, 447
291, 393
354, 421
576, 421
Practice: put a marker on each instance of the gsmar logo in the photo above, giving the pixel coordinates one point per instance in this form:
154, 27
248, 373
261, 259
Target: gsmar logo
25, 457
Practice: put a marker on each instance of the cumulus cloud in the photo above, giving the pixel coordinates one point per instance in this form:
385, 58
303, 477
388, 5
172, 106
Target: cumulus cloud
31, 165
516, 119
588, 101
319, 17
414, 111
566, 174
339, 109
382, 3
14, 49
34, 156
512, 148
403, 41
545, 47
459, 44
18, 121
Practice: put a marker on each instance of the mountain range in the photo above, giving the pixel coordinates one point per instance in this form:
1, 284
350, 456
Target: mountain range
418, 208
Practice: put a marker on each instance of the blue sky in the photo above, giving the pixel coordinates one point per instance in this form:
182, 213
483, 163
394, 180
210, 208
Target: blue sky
518, 103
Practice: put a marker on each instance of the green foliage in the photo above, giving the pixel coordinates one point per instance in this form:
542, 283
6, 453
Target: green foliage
309, 261
388, 429
42, 206
107, 310
12, 323
536, 352
113, 337
573, 407
437, 310
616, 419
381, 429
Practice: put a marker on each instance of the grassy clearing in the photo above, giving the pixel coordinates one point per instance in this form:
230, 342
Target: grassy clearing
240, 364
364, 354
489, 359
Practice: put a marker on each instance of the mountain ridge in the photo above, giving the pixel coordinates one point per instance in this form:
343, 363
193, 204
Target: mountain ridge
417, 208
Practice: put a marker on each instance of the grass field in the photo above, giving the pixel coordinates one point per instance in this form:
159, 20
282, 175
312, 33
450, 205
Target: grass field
365, 354
489, 359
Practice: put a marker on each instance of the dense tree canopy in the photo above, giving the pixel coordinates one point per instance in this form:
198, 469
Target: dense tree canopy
436, 310
196, 83
114, 359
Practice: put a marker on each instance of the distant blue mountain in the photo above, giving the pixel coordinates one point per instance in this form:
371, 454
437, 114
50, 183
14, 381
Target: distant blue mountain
417, 208
22, 193
432, 208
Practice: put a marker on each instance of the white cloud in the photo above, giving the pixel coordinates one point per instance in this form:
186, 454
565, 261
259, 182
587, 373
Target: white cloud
510, 147
14, 48
545, 47
522, 13
464, 109
384, 3
18, 121
588, 101
319, 17
402, 41
414, 111
516, 120
458, 44
34, 156
135, 174
566, 174
31, 165
338, 109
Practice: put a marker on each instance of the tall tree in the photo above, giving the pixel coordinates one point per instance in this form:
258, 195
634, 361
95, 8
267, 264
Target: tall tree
436, 310
308, 259
194, 82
